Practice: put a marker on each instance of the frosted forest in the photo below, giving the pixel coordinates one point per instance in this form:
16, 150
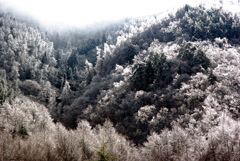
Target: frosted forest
156, 88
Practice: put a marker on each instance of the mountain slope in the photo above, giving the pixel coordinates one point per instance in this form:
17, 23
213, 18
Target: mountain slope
143, 87
170, 86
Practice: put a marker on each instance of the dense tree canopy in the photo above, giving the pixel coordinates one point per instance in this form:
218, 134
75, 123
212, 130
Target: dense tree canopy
169, 85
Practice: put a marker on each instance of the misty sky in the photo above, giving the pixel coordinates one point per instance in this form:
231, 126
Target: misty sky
86, 12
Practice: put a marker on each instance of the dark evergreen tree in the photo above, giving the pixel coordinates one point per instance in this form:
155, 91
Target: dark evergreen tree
161, 67
201, 59
131, 52
138, 78
212, 78
104, 39
3, 86
45, 58
186, 53
73, 60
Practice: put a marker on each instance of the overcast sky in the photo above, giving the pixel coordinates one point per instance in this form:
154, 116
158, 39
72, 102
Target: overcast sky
85, 12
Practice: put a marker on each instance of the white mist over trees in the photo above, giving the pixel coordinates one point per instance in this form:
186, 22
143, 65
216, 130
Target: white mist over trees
74, 13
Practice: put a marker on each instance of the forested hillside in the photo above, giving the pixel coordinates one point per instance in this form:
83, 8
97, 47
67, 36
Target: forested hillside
153, 88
